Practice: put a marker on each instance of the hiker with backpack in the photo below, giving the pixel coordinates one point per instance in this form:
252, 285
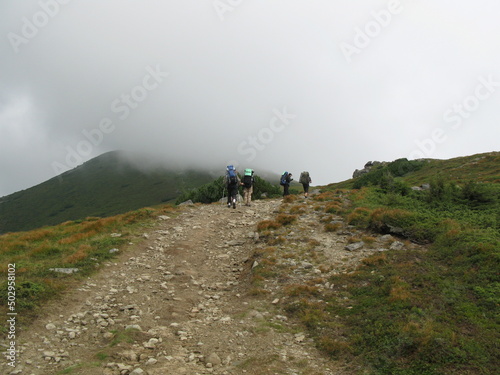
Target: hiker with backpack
305, 180
248, 181
232, 182
285, 180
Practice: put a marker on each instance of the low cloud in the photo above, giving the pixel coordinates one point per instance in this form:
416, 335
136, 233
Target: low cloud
199, 85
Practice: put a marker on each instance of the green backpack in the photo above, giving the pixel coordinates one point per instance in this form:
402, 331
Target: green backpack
248, 178
304, 177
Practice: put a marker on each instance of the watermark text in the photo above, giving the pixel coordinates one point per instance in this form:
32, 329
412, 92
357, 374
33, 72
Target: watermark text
221, 7
455, 116
122, 107
264, 136
11, 352
372, 29
31, 26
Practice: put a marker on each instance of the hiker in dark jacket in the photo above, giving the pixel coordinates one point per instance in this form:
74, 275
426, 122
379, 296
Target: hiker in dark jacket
232, 185
286, 186
305, 180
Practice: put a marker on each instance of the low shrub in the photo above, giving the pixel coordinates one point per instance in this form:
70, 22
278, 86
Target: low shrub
369, 240
299, 290
299, 209
285, 219
289, 198
325, 196
383, 219
359, 217
333, 207
332, 227
268, 225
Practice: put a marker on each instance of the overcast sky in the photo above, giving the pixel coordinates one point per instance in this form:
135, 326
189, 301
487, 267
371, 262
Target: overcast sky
323, 85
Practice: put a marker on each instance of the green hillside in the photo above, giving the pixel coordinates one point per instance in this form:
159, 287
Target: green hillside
479, 168
421, 312
104, 186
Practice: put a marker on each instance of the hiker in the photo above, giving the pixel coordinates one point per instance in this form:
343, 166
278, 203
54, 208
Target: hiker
232, 182
305, 180
248, 181
286, 178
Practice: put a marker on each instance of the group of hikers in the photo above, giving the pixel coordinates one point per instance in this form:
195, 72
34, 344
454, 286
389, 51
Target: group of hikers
233, 182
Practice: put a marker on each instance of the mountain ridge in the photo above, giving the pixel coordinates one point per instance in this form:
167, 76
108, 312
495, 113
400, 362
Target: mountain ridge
119, 181
112, 183
103, 186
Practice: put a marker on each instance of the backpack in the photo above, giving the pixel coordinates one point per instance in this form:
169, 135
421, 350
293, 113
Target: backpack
248, 178
283, 178
304, 177
232, 179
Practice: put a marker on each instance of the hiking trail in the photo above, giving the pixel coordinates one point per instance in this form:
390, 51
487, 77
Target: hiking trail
179, 301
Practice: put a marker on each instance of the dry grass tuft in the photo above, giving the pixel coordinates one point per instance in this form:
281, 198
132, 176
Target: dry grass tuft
268, 225
299, 209
369, 240
360, 217
329, 227
299, 290
375, 259
77, 237
277, 240
37, 235
353, 239
80, 254
289, 198
400, 290
285, 219
333, 207
326, 196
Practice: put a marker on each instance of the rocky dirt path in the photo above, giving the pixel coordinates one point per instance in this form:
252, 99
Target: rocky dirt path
176, 303
183, 299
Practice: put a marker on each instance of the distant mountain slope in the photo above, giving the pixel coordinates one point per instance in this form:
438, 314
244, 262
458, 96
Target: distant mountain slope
104, 186
478, 168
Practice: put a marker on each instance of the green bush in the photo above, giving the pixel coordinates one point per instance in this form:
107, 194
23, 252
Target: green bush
215, 190
262, 186
389, 184
382, 175
478, 195
207, 193
401, 167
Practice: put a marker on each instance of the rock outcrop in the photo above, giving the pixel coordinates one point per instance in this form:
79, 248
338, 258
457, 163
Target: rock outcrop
367, 168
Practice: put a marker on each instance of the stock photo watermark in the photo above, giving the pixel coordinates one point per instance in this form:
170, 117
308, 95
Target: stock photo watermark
11, 352
455, 116
372, 29
31, 26
221, 7
264, 136
122, 108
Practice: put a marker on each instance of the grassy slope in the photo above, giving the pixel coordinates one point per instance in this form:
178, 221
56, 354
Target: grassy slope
429, 311
102, 187
82, 244
480, 168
